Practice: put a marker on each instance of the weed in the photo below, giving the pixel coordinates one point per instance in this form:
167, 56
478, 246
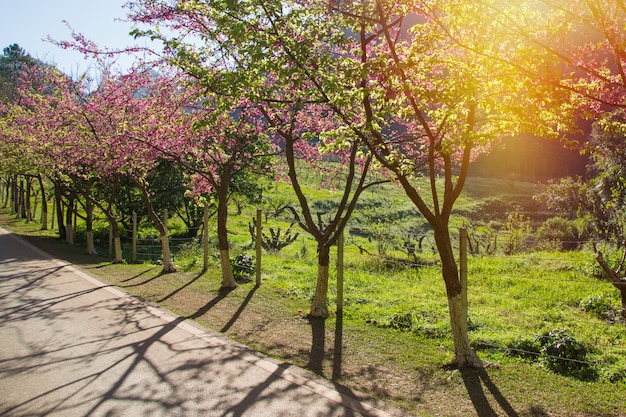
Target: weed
600, 305
243, 264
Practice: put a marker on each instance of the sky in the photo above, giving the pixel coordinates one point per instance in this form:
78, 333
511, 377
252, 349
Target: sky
29, 22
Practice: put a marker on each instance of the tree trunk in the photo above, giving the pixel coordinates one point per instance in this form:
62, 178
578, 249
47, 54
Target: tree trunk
69, 229
168, 265
27, 208
117, 242
44, 204
228, 278
22, 201
319, 306
35, 206
14, 197
615, 279
5, 192
464, 355
59, 205
89, 227
117, 246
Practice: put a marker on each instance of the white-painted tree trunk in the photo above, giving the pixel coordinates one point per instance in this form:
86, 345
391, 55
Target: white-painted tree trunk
168, 265
464, 355
319, 307
90, 246
228, 278
117, 250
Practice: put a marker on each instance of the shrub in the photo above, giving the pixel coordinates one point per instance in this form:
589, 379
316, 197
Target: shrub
558, 351
518, 228
563, 354
190, 252
243, 264
559, 233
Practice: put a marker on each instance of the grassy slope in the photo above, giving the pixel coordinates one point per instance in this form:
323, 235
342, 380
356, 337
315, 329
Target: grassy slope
510, 299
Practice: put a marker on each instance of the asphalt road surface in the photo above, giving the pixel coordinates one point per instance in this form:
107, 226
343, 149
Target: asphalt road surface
73, 346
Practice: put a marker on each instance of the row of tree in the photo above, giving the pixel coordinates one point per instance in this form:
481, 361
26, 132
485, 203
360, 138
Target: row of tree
408, 88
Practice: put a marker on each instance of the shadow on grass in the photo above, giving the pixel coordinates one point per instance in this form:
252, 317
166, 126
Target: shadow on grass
222, 293
317, 353
139, 284
318, 343
176, 291
134, 276
240, 310
338, 351
475, 381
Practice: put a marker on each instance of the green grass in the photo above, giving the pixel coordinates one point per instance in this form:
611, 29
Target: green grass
395, 322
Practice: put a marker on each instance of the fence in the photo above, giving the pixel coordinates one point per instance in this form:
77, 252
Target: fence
547, 306
558, 303
150, 249
553, 307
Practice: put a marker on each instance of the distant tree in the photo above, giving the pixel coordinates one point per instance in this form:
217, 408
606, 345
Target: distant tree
17, 145
30, 123
567, 197
13, 61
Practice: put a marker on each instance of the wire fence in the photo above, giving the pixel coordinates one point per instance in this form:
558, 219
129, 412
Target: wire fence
567, 315
546, 320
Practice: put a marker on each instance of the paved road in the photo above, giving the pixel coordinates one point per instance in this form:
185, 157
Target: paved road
72, 346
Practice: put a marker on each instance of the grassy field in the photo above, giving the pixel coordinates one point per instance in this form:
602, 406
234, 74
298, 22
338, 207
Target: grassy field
392, 339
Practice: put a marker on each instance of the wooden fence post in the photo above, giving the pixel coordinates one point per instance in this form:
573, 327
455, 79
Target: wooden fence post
340, 243
205, 236
259, 230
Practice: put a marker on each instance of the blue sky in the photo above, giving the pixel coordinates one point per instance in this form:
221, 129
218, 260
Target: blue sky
29, 22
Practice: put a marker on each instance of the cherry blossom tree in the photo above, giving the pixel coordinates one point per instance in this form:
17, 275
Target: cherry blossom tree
37, 123
216, 140
220, 146
397, 76
89, 136
290, 112
125, 114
